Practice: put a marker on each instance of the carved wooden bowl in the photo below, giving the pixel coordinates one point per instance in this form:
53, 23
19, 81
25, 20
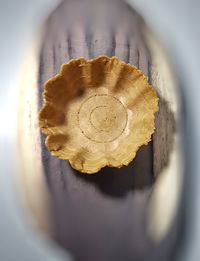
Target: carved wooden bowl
97, 113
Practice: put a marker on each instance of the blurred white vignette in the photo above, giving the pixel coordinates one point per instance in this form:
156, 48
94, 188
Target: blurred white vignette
19, 22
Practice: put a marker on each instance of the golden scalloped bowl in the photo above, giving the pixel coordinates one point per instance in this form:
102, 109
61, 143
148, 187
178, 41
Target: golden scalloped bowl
97, 113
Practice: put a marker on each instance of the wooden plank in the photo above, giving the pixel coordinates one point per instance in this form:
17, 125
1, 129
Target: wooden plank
97, 217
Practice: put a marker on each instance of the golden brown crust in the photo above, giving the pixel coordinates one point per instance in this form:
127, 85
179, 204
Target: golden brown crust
97, 113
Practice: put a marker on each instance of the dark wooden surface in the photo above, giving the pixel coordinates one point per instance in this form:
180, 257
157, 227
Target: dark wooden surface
97, 217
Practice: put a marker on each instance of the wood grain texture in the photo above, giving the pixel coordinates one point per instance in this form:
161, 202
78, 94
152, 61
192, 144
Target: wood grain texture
98, 217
